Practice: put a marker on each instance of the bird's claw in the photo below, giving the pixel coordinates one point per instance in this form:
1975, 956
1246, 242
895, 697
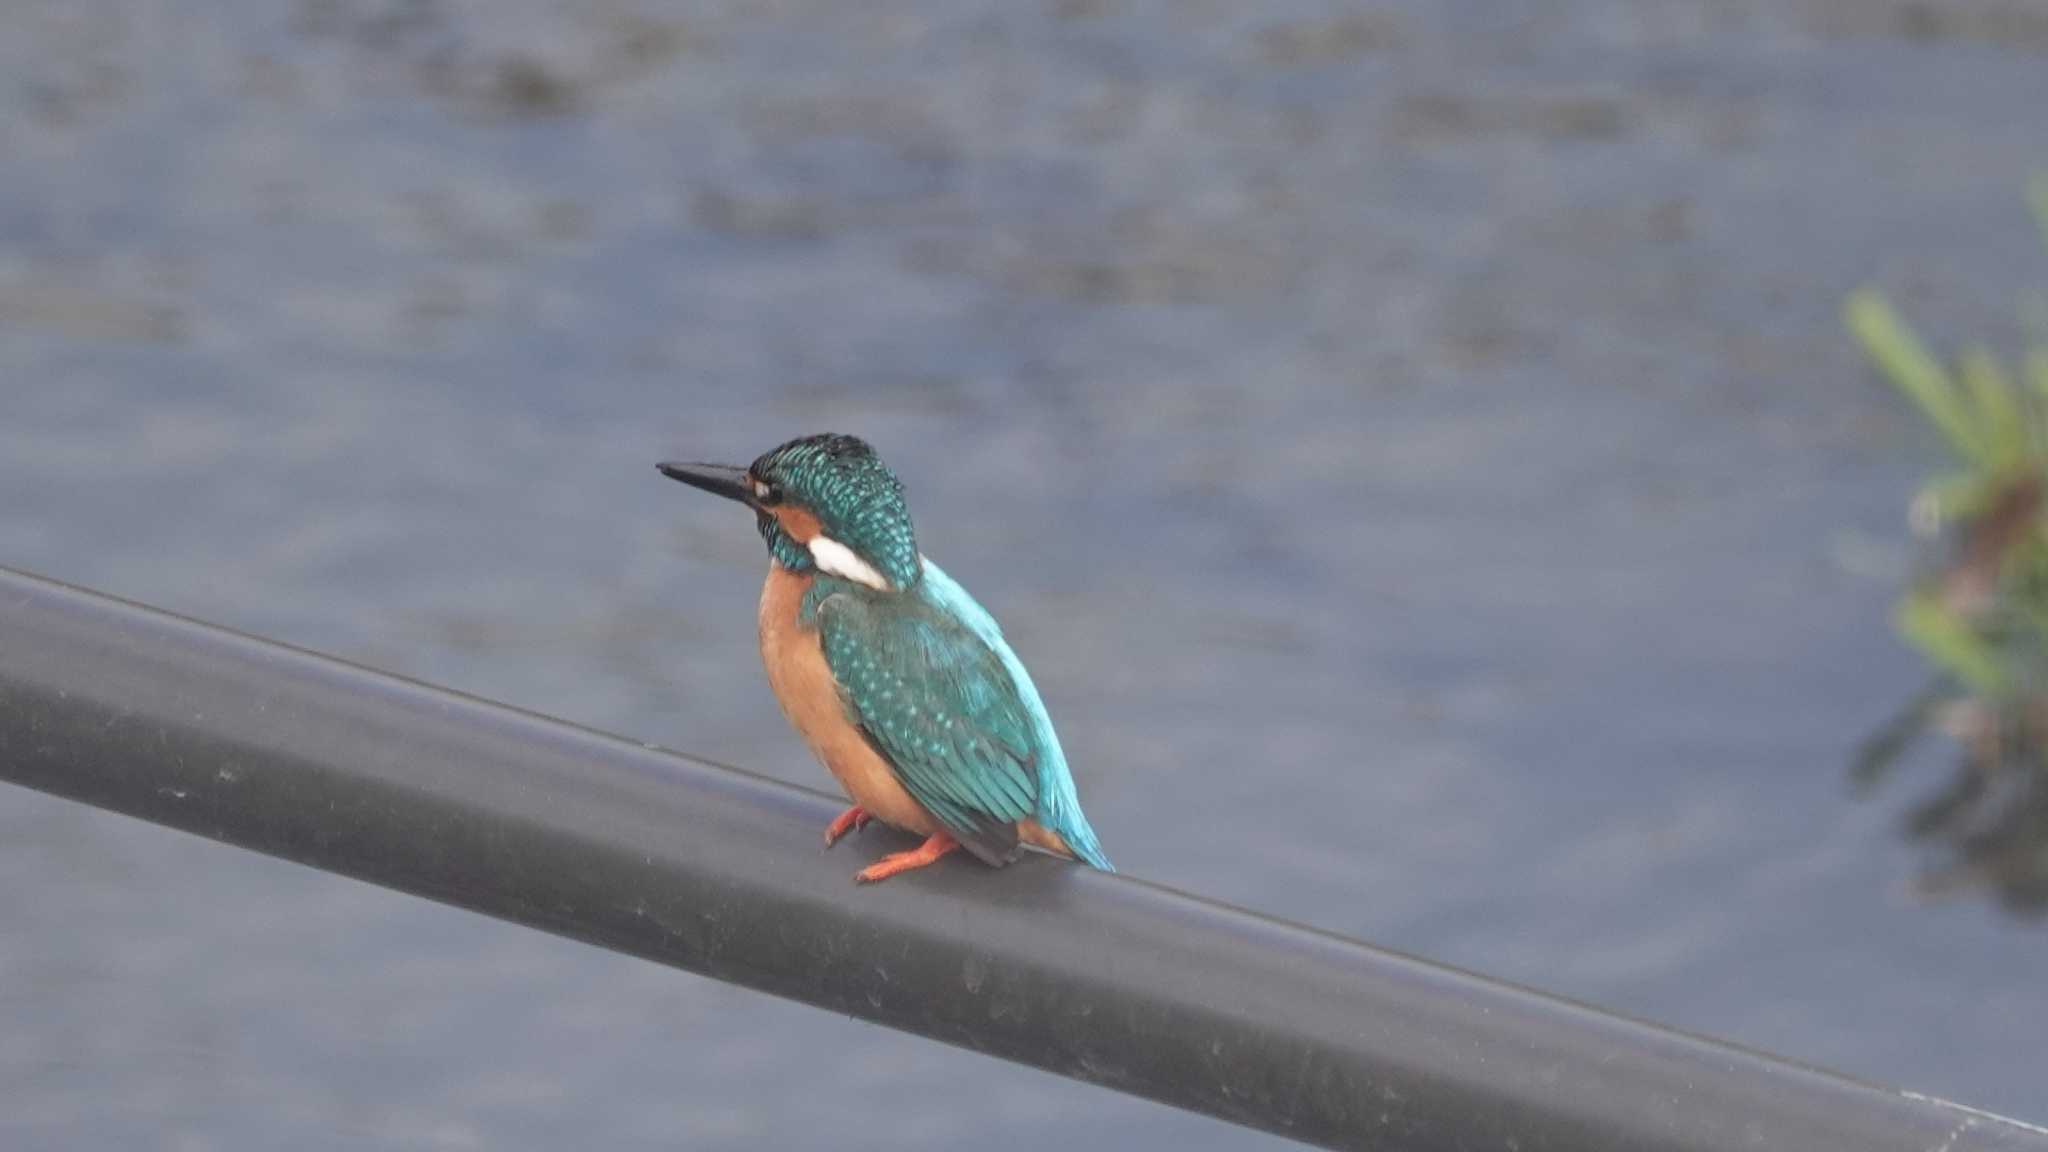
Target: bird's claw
852, 820
935, 846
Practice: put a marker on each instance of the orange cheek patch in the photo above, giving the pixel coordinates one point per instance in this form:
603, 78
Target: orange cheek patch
800, 524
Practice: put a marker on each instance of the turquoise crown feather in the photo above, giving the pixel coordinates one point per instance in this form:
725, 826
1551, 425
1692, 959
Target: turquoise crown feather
856, 498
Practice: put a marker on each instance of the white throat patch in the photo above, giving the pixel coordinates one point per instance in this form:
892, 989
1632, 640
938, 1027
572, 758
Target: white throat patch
832, 556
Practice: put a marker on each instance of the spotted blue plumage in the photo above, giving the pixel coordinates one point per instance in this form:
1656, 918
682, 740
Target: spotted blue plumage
927, 675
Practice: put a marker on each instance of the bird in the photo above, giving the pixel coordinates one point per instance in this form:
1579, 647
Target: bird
897, 679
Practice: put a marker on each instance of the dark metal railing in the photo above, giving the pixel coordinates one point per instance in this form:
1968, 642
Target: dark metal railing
1102, 978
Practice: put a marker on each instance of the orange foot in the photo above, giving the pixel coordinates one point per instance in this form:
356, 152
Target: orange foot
927, 853
852, 820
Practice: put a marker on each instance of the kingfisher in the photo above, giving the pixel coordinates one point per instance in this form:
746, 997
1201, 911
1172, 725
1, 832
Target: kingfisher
900, 683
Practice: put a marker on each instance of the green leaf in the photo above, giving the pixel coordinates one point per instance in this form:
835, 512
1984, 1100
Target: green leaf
1913, 371
2001, 426
1957, 497
2033, 615
1952, 645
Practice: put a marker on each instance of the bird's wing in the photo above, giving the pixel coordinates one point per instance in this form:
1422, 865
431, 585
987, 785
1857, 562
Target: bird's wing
940, 707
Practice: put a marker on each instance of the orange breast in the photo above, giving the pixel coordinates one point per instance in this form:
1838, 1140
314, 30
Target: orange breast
810, 698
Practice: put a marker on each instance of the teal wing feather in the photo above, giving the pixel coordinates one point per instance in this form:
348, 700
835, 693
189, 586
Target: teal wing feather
940, 706
1059, 807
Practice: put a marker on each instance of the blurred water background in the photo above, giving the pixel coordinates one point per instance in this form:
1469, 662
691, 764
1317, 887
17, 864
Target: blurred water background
1413, 444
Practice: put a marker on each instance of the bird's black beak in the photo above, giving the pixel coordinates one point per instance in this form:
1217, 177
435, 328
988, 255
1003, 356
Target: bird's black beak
717, 479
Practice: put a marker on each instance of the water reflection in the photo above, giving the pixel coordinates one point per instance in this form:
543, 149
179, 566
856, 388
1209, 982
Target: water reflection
1987, 826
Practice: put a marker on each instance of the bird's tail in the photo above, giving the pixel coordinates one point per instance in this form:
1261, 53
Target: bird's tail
1062, 817
1081, 839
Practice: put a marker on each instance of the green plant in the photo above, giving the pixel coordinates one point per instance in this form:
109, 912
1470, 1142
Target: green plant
1980, 614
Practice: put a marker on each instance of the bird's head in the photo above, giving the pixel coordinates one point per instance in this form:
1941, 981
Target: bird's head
822, 502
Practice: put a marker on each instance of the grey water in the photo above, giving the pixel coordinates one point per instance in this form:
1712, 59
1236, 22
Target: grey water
1413, 445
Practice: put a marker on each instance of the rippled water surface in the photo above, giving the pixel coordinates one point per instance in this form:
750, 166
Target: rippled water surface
1413, 445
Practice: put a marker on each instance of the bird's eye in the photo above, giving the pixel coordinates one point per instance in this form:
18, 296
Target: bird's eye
767, 493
